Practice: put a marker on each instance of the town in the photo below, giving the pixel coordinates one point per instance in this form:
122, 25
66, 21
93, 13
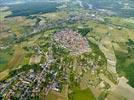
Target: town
66, 50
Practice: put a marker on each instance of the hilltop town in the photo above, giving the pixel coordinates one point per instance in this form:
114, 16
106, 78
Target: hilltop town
72, 50
72, 41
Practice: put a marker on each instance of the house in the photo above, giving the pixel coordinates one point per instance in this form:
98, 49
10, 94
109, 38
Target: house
56, 86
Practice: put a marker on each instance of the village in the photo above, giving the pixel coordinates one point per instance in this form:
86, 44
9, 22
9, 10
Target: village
29, 80
76, 52
28, 83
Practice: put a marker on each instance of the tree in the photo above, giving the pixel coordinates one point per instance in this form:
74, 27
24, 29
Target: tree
84, 31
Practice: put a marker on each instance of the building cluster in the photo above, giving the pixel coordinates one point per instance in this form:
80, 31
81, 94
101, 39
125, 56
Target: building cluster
72, 40
30, 83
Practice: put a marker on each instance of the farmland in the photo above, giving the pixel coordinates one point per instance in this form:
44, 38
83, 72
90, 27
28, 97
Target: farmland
67, 50
82, 95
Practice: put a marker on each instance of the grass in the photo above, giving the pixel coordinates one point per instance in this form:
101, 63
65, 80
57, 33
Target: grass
4, 74
10, 58
53, 95
5, 57
82, 95
25, 60
128, 23
4, 14
55, 16
125, 66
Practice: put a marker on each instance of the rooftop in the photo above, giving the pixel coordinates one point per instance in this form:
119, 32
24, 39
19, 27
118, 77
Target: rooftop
72, 40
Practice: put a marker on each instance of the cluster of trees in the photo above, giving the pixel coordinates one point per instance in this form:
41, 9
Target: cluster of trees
125, 66
84, 31
24, 68
130, 45
59, 51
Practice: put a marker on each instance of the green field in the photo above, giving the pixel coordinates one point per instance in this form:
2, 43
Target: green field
4, 14
5, 56
125, 63
82, 95
125, 67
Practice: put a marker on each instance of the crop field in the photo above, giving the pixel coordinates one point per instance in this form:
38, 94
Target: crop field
82, 95
55, 16
74, 50
63, 95
15, 61
4, 14
10, 58
121, 92
4, 74
4, 58
125, 66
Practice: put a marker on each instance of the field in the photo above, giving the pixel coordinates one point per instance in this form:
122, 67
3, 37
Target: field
4, 74
125, 66
4, 14
82, 95
105, 72
5, 57
63, 95
115, 40
10, 59
19, 25
55, 16
53, 95
122, 91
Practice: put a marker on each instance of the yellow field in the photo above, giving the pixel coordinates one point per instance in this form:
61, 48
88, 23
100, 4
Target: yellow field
4, 74
53, 95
